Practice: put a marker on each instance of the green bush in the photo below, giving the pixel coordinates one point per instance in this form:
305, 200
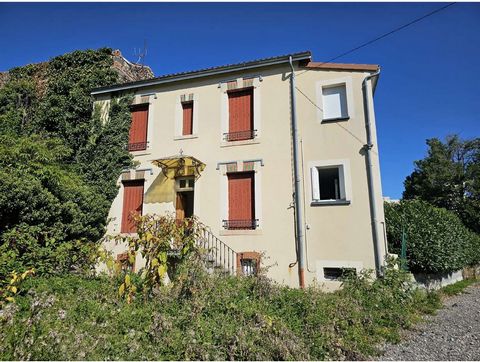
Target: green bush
58, 163
207, 317
437, 240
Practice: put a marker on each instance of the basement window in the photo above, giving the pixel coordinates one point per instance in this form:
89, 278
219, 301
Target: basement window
337, 274
248, 263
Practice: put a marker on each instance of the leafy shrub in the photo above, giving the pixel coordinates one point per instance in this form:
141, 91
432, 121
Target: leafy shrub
165, 243
207, 316
437, 240
58, 163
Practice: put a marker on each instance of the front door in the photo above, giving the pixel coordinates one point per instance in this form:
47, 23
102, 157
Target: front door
184, 205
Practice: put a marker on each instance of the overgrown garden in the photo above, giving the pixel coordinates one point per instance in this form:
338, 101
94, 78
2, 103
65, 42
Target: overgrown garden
59, 163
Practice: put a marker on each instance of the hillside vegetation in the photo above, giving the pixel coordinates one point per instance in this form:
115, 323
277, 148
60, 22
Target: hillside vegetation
207, 317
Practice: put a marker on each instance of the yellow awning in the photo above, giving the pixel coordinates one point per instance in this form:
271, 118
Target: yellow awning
180, 165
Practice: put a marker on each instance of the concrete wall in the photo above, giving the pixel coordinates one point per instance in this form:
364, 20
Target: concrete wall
336, 235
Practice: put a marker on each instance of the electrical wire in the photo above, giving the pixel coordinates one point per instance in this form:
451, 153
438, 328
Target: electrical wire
385, 35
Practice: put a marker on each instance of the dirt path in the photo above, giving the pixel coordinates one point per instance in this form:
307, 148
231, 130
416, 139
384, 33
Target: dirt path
452, 334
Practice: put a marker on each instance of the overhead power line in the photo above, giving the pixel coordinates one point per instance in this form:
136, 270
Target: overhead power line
389, 33
364, 45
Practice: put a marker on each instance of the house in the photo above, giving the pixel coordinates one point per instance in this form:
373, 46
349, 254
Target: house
243, 146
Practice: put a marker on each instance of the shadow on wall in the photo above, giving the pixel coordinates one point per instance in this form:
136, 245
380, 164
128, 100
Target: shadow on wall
161, 190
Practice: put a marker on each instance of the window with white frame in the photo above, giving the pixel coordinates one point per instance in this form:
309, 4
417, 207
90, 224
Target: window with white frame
334, 102
328, 184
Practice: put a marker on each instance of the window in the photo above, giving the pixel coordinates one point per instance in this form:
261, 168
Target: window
241, 201
330, 182
138, 128
248, 263
338, 273
124, 262
240, 110
185, 183
132, 204
187, 127
334, 102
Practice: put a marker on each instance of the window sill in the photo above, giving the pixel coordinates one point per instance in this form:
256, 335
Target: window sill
224, 232
338, 119
330, 202
141, 153
252, 141
185, 137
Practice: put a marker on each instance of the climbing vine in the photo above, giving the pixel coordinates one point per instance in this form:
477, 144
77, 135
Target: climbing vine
59, 161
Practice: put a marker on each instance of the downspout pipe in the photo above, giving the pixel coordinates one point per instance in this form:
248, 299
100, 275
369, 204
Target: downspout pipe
367, 90
300, 239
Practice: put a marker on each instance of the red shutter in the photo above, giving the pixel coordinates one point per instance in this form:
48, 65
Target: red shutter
138, 129
241, 200
240, 109
187, 118
132, 204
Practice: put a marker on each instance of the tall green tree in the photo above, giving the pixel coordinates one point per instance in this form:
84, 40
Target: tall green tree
449, 177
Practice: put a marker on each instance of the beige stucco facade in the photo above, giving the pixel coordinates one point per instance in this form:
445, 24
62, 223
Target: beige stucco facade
336, 234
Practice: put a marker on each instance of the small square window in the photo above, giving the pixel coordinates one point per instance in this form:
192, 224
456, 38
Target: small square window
329, 185
124, 263
248, 263
249, 267
185, 184
335, 102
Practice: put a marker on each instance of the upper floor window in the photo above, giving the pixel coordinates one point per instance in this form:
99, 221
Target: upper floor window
187, 125
330, 182
138, 129
334, 102
335, 99
240, 111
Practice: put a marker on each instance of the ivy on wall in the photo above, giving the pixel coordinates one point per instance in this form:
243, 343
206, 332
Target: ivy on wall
58, 162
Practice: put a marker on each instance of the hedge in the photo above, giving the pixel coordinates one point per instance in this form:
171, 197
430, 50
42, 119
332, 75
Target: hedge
437, 240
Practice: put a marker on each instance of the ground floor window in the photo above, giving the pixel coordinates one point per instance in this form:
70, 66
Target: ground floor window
248, 263
124, 262
132, 204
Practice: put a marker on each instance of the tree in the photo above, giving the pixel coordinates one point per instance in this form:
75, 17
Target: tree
449, 177
58, 163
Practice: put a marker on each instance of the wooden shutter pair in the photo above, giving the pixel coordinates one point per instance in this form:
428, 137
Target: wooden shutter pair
132, 204
138, 128
240, 108
241, 200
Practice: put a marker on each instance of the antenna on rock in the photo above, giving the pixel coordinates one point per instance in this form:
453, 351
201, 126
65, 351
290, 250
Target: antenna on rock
140, 54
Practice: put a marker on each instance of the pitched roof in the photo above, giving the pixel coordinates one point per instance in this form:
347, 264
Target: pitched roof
343, 66
174, 77
306, 55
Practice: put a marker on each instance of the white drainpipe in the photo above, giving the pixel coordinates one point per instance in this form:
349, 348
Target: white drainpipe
367, 90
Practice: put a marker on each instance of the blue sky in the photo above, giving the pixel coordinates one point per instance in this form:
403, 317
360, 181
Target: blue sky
430, 82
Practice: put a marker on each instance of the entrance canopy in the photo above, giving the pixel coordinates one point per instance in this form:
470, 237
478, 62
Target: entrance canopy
180, 165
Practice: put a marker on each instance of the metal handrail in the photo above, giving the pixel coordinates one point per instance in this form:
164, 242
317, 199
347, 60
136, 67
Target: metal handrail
219, 253
240, 135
